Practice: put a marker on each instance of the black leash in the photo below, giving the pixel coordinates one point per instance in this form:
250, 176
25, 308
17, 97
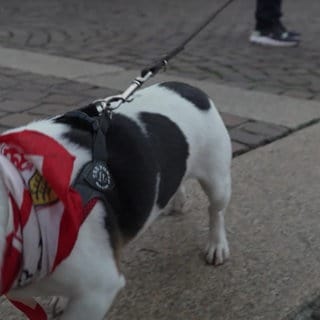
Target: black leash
164, 61
148, 72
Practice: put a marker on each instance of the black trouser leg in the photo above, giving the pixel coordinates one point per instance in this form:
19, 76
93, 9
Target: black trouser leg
268, 12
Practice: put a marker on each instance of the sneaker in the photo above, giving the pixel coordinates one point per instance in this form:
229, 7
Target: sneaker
291, 33
276, 37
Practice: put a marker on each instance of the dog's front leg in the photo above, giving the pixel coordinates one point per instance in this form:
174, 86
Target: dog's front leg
91, 306
217, 250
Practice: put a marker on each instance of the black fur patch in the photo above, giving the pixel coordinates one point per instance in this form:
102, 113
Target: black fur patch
134, 168
132, 165
197, 97
171, 151
135, 161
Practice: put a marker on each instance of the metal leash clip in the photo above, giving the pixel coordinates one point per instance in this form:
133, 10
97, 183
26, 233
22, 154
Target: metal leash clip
112, 103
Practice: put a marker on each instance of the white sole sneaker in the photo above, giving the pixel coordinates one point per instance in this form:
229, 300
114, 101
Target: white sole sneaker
257, 38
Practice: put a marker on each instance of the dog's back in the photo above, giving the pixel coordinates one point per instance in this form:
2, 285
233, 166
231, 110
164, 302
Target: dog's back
167, 133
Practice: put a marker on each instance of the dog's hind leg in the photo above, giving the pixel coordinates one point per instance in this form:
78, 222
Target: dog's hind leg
179, 200
218, 190
176, 204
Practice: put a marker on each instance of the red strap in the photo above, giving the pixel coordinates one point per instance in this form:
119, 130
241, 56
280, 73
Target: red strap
36, 313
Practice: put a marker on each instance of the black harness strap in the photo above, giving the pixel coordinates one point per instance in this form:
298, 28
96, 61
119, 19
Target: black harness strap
94, 180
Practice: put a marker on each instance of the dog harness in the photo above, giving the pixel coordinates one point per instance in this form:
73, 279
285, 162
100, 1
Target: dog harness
46, 212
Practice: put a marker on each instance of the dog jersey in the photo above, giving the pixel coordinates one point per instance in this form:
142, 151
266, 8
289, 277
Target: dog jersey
45, 211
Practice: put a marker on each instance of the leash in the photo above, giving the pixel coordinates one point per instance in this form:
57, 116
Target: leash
106, 104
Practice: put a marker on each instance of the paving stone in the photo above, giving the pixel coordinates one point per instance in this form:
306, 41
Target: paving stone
51, 109
26, 85
97, 92
15, 105
265, 129
232, 121
66, 99
238, 148
33, 78
18, 119
7, 82
247, 138
4, 94
72, 86
38, 38
28, 95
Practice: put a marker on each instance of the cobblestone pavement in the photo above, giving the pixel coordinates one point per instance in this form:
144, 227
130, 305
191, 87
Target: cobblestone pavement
133, 33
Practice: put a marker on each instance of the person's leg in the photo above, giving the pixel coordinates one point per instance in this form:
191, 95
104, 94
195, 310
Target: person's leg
269, 29
268, 13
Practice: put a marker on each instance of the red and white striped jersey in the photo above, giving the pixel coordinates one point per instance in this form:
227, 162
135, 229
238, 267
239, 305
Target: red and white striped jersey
45, 211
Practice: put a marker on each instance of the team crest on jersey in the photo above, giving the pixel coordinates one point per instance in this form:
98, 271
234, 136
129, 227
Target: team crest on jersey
41, 193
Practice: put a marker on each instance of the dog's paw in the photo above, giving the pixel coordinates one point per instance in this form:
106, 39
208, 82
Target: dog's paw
58, 305
217, 253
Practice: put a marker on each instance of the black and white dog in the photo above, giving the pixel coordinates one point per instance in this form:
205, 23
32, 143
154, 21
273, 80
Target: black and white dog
168, 133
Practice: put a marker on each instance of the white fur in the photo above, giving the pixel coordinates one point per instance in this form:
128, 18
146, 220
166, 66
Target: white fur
89, 277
